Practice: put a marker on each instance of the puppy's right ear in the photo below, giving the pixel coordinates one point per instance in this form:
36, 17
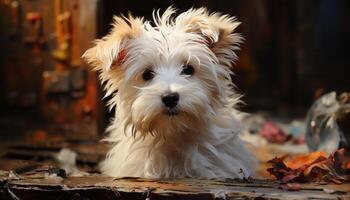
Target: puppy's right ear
112, 49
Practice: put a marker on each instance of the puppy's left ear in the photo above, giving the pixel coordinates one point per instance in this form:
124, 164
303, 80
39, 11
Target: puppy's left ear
112, 49
217, 31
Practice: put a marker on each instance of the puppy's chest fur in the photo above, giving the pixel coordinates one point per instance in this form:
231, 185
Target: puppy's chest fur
213, 152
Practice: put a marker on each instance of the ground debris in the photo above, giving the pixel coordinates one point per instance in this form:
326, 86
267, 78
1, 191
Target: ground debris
67, 161
313, 167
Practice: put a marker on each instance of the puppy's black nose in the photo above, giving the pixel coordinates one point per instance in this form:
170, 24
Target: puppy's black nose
170, 100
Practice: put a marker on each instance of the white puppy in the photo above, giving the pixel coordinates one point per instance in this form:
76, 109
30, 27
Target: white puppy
175, 110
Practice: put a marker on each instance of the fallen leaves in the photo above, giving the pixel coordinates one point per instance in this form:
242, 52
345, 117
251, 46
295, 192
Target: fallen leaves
312, 167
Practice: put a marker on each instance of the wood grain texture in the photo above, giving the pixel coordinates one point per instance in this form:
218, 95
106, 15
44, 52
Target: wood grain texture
41, 186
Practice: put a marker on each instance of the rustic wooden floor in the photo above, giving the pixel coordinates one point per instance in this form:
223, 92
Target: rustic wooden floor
43, 185
27, 171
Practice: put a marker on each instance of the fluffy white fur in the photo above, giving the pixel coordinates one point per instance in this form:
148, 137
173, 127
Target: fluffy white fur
202, 140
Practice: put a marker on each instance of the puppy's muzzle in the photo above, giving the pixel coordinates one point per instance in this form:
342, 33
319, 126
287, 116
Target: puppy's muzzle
170, 100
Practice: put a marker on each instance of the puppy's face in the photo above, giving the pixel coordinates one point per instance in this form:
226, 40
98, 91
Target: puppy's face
171, 76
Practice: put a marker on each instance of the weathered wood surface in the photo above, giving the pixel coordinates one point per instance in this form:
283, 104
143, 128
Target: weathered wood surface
36, 175
43, 185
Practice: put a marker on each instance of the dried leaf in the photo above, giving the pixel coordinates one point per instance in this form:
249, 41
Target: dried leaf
312, 167
300, 161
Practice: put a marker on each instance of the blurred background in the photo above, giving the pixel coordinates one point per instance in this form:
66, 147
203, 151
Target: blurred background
294, 52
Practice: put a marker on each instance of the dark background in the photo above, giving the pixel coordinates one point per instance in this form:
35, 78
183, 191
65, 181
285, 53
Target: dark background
294, 50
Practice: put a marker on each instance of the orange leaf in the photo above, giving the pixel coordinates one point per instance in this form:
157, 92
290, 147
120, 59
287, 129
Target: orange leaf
302, 160
347, 166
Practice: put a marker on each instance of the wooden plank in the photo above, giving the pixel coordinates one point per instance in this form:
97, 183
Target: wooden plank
41, 185
43, 180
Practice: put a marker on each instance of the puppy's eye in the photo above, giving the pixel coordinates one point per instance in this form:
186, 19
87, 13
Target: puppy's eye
187, 70
148, 75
